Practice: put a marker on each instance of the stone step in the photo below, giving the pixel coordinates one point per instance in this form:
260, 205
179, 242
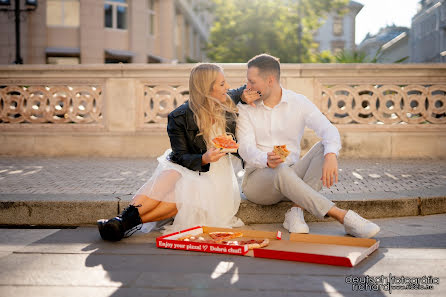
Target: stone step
81, 209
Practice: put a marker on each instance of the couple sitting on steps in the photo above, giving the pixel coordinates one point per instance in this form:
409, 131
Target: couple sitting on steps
195, 182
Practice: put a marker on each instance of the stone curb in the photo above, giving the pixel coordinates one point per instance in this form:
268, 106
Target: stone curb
76, 212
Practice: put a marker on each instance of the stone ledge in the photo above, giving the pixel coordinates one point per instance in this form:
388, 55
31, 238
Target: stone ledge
85, 210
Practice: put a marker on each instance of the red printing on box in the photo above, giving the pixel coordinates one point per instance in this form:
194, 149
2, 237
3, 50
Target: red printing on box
201, 247
165, 242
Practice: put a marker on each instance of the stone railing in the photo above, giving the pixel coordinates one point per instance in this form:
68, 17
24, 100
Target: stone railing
50, 104
121, 110
384, 104
159, 101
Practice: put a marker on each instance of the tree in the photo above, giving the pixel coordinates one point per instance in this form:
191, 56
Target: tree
245, 28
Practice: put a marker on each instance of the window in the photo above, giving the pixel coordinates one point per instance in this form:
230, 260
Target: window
117, 60
152, 16
338, 26
152, 59
337, 46
62, 13
115, 57
115, 14
63, 60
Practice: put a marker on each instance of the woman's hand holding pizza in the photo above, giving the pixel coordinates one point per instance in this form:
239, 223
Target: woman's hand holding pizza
212, 155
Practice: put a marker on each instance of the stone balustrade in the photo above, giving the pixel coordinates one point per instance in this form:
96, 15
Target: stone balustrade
121, 110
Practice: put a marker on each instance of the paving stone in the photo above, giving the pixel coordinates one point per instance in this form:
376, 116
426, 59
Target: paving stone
78, 175
79, 190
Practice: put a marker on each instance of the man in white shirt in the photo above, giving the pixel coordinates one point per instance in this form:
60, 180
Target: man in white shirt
279, 118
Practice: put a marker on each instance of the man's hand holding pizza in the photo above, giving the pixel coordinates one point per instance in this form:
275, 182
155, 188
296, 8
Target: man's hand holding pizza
273, 160
277, 156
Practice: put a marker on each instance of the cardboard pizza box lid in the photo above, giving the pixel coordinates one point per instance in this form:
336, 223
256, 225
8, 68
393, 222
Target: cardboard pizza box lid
322, 249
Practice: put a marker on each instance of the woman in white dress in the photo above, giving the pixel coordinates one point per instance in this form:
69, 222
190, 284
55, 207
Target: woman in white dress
194, 181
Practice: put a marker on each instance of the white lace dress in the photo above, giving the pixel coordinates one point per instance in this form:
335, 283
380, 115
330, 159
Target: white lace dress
203, 199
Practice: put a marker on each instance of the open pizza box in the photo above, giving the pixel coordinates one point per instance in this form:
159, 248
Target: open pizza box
321, 249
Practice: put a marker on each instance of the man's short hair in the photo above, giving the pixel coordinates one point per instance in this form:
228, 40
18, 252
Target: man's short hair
266, 64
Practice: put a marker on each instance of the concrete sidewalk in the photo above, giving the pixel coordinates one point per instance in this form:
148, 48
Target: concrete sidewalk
76, 262
78, 191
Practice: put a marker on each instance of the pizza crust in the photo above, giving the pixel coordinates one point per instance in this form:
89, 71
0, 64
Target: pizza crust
222, 236
251, 244
257, 245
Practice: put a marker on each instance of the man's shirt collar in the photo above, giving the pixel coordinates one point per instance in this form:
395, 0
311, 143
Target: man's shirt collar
283, 99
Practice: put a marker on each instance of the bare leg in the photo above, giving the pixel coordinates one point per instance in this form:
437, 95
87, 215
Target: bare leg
146, 204
163, 210
143, 208
151, 209
337, 214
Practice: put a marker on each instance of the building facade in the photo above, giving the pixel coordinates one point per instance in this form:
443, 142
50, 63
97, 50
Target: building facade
372, 44
338, 31
395, 50
109, 31
428, 33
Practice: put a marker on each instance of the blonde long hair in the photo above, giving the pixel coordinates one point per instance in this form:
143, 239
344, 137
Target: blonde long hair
207, 109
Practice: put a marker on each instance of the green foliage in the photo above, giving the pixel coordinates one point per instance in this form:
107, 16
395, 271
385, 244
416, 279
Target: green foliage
356, 56
346, 56
326, 57
245, 28
190, 60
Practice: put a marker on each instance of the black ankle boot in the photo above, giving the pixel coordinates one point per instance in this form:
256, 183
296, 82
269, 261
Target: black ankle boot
115, 229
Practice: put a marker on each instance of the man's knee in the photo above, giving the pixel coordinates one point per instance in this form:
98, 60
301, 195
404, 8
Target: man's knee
258, 196
263, 194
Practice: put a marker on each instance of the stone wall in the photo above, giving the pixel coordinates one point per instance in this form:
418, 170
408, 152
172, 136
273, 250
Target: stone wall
384, 111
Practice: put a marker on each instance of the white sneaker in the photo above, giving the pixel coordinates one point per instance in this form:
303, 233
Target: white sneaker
357, 226
295, 222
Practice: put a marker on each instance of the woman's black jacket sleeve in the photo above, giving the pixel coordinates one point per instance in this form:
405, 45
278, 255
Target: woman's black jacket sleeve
187, 147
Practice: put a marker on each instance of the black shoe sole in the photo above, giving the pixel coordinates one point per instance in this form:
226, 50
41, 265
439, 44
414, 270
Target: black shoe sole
109, 232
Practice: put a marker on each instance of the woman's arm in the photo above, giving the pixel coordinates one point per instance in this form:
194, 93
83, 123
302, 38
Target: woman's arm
244, 96
177, 134
236, 94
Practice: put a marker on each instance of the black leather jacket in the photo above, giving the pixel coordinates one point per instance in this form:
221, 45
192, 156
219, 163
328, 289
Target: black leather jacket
187, 147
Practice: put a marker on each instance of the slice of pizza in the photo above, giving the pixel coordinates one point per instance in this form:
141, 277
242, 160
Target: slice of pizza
281, 151
225, 143
186, 238
222, 236
252, 243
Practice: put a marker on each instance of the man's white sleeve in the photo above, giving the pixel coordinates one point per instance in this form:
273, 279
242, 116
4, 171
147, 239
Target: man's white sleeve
246, 138
324, 129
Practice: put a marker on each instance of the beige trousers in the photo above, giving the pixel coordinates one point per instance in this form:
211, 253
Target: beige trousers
299, 183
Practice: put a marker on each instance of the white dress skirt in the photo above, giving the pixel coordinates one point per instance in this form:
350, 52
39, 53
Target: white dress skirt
203, 199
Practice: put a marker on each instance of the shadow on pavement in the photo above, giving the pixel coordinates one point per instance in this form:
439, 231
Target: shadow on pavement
141, 268
134, 266
433, 241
